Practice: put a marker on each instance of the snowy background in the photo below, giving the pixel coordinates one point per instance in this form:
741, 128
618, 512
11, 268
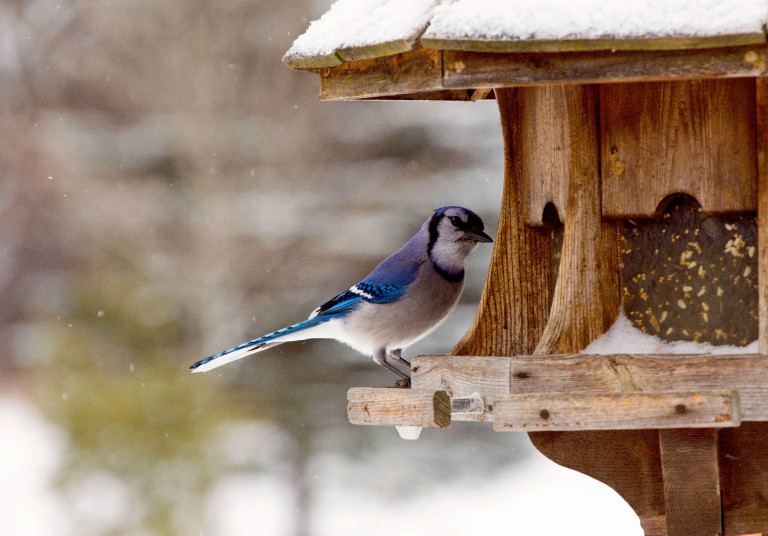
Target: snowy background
168, 189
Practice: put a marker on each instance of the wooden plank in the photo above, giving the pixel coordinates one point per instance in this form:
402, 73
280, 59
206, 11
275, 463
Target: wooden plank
544, 152
415, 71
488, 376
689, 461
678, 42
616, 411
693, 137
594, 374
515, 299
478, 69
761, 143
654, 525
398, 407
586, 297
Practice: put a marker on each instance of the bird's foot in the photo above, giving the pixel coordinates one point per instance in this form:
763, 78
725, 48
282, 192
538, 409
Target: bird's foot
404, 383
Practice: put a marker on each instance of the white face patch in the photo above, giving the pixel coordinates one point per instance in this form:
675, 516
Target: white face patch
451, 249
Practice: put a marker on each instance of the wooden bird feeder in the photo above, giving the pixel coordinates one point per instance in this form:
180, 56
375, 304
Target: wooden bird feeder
636, 179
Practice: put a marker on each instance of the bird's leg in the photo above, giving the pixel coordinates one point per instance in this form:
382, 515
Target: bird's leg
396, 355
380, 358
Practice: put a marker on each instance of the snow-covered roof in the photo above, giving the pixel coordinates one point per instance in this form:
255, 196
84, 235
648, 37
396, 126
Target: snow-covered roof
363, 29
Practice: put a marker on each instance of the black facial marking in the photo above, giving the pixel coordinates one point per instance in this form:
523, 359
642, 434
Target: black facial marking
433, 232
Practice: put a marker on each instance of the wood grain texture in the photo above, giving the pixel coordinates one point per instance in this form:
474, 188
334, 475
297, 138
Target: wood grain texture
606, 43
761, 142
689, 460
694, 137
616, 411
586, 298
654, 525
599, 374
515, 300
478, 69
416, 71
398, 407
543, 151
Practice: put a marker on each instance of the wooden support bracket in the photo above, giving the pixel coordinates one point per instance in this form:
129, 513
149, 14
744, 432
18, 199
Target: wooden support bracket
398, 407
689, 463
616, 411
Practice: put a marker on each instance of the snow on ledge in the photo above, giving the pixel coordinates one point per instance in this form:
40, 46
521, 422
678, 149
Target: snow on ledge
624, 338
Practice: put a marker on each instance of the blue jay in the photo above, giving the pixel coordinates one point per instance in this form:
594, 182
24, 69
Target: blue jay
403, 300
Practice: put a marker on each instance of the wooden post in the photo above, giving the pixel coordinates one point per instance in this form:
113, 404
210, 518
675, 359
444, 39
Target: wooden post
513, 306
691, 482
586, 297
761, 136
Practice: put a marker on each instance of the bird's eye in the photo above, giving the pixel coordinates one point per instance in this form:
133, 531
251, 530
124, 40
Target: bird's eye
456, 221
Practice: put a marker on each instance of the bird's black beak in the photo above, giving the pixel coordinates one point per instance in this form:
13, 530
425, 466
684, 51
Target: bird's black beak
479, 236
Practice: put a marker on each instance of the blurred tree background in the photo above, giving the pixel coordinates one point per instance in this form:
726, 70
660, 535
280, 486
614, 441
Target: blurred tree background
168, 188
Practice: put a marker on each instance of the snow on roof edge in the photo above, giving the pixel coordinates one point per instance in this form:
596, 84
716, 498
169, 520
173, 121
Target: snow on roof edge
362, 29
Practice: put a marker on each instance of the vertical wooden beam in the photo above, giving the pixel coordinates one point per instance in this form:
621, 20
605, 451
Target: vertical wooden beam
761, 135
515, 300
586, 297
691, 481
744, 450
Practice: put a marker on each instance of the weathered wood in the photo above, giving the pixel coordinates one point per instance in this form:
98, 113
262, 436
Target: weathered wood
594, 374
461, 95
654, 525
426, 70
761, 135
583, 45
416, 71
488, 376
477, 69
743, 470
694, 137
586, 298
616, 411
398, 407
544, 151
515, 299
691, 481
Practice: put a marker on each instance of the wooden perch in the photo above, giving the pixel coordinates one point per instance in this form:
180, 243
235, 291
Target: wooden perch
399, 407
598, 374
616, 411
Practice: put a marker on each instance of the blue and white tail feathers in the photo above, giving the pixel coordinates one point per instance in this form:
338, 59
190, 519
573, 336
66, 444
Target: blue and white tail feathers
302, 330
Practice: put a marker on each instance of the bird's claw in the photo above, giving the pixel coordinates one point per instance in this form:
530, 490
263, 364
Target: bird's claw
404, 383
